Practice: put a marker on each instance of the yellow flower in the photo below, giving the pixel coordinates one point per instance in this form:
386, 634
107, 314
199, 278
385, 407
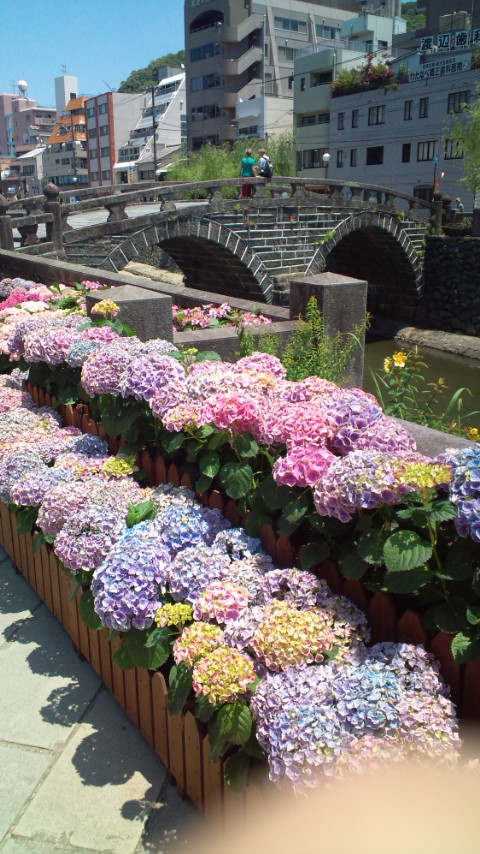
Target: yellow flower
387, 365
473, 433
400, 359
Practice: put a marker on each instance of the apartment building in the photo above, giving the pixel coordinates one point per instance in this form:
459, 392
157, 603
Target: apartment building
65, 156
23, 124
159, 132
109, 119
240, 58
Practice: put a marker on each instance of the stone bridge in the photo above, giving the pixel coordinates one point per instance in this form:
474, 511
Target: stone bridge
250, 248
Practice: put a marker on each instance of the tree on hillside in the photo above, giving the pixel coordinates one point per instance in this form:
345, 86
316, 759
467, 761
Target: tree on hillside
415, 20
144, 78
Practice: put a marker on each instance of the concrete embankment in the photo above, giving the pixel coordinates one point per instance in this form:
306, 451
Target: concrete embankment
448, 342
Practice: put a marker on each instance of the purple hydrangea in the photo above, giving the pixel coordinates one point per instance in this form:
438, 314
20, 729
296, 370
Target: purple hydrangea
62, 502
126, 585
150, 372
15, 466
79, 351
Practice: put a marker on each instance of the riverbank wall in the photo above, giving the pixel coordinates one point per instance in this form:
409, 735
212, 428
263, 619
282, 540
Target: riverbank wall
451, 301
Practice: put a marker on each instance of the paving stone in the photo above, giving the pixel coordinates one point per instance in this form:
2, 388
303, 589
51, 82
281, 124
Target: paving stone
101, 790
22, 770
49, 688
19, 845
17, 599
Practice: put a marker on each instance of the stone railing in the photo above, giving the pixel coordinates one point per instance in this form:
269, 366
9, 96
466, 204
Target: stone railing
54, 207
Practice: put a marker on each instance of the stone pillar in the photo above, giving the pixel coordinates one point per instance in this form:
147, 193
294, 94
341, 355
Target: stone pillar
343, 304
54, 228
6, 235
148, 313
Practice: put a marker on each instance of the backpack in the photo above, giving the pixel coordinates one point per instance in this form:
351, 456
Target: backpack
267, 170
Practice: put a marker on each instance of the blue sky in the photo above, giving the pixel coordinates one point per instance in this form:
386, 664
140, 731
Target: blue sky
99, 41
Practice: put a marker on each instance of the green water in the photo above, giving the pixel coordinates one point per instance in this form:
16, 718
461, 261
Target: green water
457, 371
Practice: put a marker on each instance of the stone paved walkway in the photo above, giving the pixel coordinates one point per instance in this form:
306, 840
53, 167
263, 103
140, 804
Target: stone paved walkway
76, 776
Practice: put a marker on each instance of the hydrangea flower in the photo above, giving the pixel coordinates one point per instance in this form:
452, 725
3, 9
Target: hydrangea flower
195, 642
15, 466
61, 502
303, 465
150, 372
176, 615
30, 491
223, 675
194, 569
126, 585
235, 412
221, 601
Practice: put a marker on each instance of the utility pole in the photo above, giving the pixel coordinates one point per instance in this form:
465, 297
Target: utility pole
154, 125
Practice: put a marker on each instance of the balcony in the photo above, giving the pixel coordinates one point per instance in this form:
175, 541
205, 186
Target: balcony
237, 34
234, 67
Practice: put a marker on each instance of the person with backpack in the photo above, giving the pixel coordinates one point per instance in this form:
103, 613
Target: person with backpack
247, 170
264, 164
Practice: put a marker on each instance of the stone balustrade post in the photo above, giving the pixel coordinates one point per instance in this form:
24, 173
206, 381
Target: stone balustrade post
148, 313
54, 228
6, 234
343, 304
116, 211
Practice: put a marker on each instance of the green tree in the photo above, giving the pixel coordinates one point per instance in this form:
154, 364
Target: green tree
465, 132
144, 78
415, 20
223, 161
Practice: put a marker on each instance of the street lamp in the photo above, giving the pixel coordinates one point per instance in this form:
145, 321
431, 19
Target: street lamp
326, 161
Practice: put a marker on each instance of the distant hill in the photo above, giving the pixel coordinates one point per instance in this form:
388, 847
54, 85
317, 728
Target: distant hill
414, 19
143, 78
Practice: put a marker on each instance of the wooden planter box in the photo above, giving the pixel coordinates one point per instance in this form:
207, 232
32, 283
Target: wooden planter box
387, 620
180, 741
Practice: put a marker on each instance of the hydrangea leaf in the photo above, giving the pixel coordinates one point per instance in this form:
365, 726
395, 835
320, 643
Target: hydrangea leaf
245, 445
371, 544
235, 770
208, 356
253, 748
450, 616
209, 463
473, 614
465, 647
407, 581
351, 564
442, 510
139, 512
218, 439
235, 722
38, 541
25, 519
179, 687
314, 553
296, 508
202, 484
171, 442
135, 653
405, 550
461, 562
236, 479
203, 709
87, 611
218, 743
162, 635
273, 495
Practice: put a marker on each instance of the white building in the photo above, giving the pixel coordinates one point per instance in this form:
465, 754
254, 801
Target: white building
30, 171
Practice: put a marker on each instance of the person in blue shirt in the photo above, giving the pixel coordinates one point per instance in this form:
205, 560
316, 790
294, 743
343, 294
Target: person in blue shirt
247, 170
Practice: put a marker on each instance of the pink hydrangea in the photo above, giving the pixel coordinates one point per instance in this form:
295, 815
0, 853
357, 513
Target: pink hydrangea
303, 465
237, 413
221, 601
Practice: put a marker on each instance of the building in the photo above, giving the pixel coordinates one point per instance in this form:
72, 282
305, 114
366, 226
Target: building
31, 172
23, 124
65, 157
109, 119
396, 135
66, 88
315, 69
239, 62
438, 13
158, 133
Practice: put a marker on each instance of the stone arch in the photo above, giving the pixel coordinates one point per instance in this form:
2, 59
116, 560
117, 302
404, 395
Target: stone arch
211, 256
376, 247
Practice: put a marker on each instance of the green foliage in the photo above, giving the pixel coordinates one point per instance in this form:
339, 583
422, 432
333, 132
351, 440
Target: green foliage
143, 78
402, 391
465, 131
223, 161
312, 352
415, 19
347, 77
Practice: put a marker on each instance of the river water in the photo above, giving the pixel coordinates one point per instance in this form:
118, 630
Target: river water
457, 371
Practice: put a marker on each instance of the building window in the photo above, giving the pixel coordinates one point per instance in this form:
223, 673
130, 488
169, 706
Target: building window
456, 100
102, 108
105, 151
90, 112
94, 176
354, 118
426, 150
302, 84
208, 111
312, 158
305, 121
92, 132
423, 108
323, 118
340, 121
406, 151
93, 154
339, 159
375, 155
407, 110
287, 53
205, 51
319, 78
294, 25
376, 115
207, 81
65, 161
103, 130
106, 174
453, 149
353, 156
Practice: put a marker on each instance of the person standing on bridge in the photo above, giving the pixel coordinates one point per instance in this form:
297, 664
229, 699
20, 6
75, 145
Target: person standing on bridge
247, 170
